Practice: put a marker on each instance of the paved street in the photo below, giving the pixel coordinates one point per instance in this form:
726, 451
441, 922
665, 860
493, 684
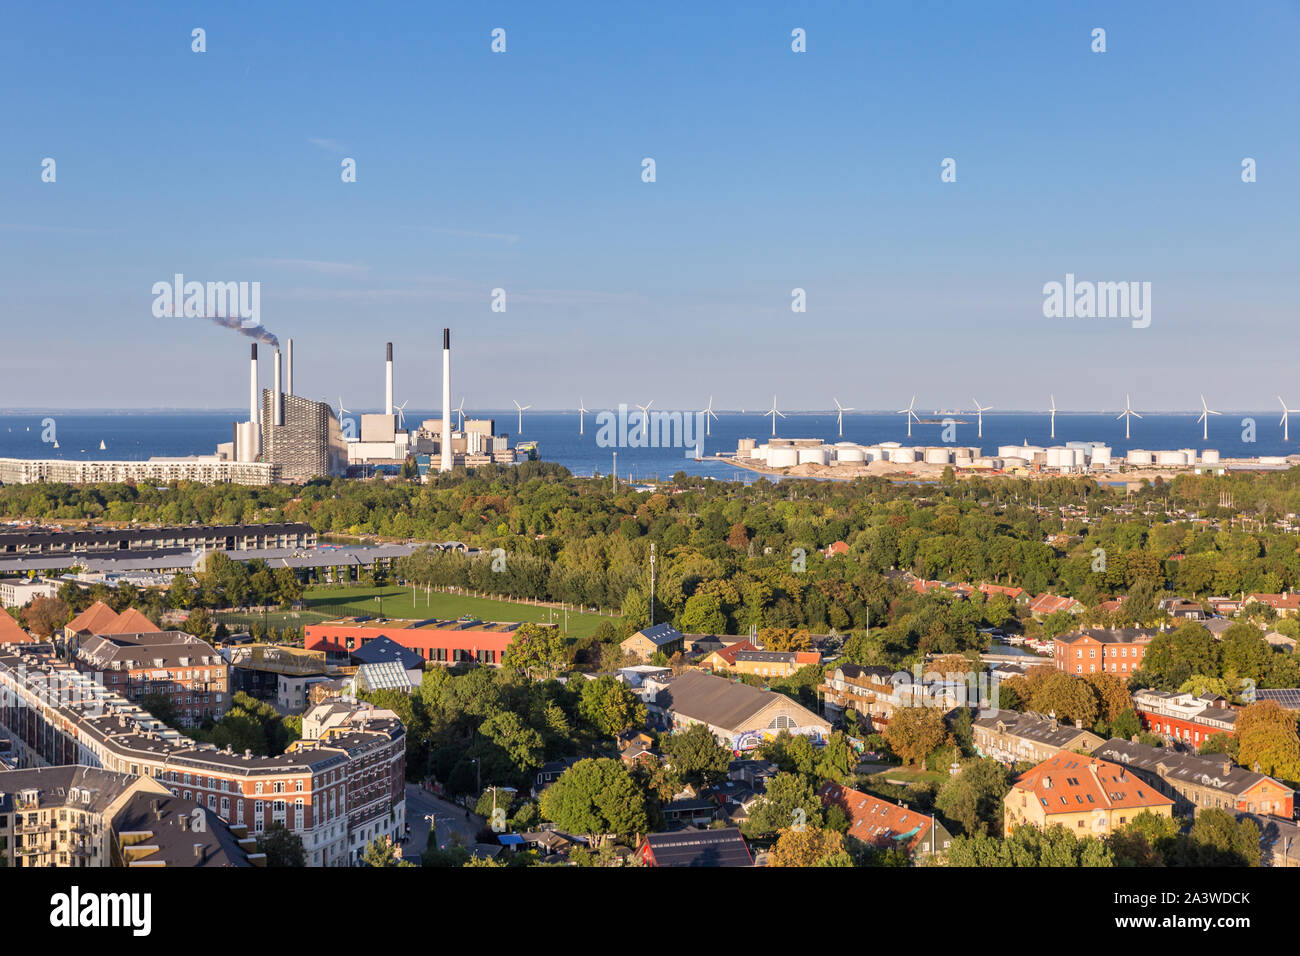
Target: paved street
449, 818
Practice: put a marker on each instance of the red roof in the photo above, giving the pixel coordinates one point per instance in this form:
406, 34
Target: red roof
1069, 783
95, 619
11, 633
131, 621
1051, 603
729, 652
877, 822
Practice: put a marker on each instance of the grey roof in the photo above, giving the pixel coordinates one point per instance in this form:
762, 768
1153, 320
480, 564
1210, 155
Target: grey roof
720, 702
1110, 635
1215, 771
1032, 726
1288, 697
164, 826
724, 847
64, 786
384, 648
160, 649
661, 634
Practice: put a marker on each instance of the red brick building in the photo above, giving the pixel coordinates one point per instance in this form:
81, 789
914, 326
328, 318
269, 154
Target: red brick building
185, 669
1117, 651
440, 642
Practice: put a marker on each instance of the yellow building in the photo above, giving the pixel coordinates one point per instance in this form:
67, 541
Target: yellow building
1089, 797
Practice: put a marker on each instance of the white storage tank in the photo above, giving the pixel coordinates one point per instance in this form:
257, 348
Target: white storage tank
890, 444
874, 453
1171, 458
1012, 451
850, 455
1059, 458
938, 456
1210, 456
782, 457
904, 456
1011, 461
813, 456
1138, 456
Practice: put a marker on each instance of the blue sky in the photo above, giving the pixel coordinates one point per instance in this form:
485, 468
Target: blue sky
775, 170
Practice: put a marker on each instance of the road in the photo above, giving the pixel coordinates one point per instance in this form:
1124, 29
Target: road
448, 817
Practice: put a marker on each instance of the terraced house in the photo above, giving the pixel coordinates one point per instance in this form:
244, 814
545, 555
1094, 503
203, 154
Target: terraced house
1195, 782
1010, 736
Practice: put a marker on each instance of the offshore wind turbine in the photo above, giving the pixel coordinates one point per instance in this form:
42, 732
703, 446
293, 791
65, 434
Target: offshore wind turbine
1127, 414
1206, 412
582, 410
645, 416
839, 414
400, 411
910, 412
774, 413
707, 412
1053, 411
460, 410
1285, 423
521, 416
979, 414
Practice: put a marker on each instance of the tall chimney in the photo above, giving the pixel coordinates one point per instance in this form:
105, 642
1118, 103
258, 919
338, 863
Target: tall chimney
388, 384
288, 369
252, 388
445, 464
279, 397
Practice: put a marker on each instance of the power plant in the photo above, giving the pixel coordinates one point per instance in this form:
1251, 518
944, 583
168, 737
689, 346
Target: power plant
306, 439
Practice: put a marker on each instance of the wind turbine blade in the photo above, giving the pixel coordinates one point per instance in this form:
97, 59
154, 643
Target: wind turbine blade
1134, 414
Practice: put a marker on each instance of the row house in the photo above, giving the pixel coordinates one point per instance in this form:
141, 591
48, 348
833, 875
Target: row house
1196, 782
1010, 737
1116, 650
337, 791
1184, 717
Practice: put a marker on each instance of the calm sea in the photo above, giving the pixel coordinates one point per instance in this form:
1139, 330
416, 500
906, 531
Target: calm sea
138, 435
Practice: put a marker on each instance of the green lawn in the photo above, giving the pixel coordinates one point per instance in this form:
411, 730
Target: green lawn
328, 602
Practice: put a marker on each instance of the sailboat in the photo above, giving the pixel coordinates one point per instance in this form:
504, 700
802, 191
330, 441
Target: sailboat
102, 446
56, 443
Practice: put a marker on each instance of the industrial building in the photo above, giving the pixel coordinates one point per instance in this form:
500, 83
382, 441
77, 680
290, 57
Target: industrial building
1074, 457
439, 642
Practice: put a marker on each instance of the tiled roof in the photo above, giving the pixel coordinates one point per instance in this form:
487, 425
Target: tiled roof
1070, 783
94, 619
130, 621
877, 822
1217, 772
725, 847
11, 632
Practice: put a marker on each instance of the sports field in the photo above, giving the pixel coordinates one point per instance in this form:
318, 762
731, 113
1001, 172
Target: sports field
399, 602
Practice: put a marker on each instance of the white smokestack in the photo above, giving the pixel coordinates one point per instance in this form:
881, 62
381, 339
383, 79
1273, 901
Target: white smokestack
288, 368
278, 407
445, 464
388, 386
252, 388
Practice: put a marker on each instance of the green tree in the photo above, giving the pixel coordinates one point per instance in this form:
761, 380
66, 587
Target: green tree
282, 846
696, 755
916, 732
789, 800
596, 797
610, 706
973, 798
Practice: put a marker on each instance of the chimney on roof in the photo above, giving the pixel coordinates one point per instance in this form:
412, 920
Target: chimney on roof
248, 754
201, 852
1227, 766
1078, 724
185, 821
156, 806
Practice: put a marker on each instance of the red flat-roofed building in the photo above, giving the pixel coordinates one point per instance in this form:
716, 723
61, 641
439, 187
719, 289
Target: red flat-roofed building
438, 642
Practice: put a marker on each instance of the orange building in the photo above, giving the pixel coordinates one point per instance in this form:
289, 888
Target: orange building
440, 642
1116, 650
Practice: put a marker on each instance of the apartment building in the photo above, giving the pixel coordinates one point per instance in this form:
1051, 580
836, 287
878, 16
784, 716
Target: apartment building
204, 469
1184, 716
1195, 782
1087, 796
186, 670
337, 793
1011, 737
1117, 650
